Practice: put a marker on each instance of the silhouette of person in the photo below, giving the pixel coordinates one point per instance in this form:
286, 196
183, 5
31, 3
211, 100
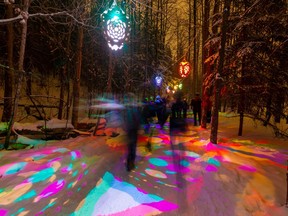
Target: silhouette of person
196, 108
132, 121
185, 107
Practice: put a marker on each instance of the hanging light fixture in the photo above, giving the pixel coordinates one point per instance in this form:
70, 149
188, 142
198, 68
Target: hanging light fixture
116, 26
184, 68
158, 80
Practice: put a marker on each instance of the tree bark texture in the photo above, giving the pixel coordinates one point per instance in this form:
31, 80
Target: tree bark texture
215, 111
9, 78
205, 66
195, 72
20, 71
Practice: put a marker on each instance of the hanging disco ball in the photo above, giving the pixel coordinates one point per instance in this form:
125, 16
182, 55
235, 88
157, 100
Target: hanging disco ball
116, 26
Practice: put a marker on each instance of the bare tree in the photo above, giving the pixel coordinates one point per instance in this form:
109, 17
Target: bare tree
21, 71
9, 72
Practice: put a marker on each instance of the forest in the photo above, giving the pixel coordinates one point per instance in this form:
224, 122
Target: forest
55, 58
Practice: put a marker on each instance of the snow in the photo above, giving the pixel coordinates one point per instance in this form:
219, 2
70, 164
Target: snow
56, 123
239, 176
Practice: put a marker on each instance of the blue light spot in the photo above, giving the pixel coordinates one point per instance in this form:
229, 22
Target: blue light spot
168, 152
184, 163
170, 172
213, 161
42, 175
48, 206
158, 162
18, 212
70, 185
15, 168
28, 195
75, 173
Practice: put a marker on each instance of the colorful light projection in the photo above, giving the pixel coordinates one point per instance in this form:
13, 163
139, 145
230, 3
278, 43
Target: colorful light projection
137, 202
39, 181
116, 26
184, 68
39, 190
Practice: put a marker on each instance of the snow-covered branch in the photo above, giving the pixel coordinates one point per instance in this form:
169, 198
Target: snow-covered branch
61, 13
10, 20
20, 17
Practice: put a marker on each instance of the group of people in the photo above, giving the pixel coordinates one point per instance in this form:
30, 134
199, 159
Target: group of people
135, 114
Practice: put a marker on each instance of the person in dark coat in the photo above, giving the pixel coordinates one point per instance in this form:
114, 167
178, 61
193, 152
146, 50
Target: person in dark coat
132, 121
185, 107
159, 108
196, 108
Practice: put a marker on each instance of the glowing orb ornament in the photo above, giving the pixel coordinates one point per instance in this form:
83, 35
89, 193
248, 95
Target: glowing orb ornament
158, 80
184, 68
116, 26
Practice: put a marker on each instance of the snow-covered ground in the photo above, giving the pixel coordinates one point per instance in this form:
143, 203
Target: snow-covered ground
86, 176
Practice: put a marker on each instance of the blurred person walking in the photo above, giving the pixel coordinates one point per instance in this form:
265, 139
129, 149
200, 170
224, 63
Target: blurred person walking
178, 126
132, 121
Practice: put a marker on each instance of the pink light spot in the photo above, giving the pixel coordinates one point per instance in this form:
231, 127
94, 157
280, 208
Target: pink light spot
3, 212
67, 169
247, 168
211, 168
190, 179
52, 189
84, 165
79, 177
75, 154
171, 167
211, 147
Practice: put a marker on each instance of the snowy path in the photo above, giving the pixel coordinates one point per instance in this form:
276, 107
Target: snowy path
86, 176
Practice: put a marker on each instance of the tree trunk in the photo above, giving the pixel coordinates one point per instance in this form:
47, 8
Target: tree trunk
241, 102
9, 79
215, 111
195, 77
20, 70
205, 66
76, 84
62, 91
